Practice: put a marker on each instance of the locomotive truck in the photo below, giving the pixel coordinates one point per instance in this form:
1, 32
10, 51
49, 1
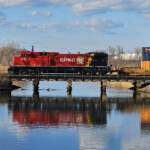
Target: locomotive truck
30, 62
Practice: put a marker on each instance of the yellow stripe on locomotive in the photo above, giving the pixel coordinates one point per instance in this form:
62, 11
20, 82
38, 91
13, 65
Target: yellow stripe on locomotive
146, 49
90, 59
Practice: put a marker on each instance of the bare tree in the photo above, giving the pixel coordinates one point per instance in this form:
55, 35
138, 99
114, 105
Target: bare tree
7, 52
120, 51
111, 50
138, 52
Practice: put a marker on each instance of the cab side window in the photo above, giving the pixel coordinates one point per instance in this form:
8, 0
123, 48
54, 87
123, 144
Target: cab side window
25, 55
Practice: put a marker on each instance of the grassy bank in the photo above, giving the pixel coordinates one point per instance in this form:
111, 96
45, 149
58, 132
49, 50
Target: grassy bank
3, 69
119, 85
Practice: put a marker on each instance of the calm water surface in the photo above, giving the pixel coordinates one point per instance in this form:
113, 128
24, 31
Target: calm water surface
54, 121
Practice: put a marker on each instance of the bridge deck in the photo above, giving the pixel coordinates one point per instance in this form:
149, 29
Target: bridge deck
76, 77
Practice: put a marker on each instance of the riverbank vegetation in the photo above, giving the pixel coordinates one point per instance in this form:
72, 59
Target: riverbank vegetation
7, 52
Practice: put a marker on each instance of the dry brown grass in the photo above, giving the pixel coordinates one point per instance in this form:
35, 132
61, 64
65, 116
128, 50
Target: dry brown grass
120, 85
3, 69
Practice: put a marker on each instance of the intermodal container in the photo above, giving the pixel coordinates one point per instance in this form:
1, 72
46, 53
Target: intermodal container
145, 63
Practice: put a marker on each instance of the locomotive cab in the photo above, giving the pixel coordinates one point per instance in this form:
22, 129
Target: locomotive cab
99, 59
25, 54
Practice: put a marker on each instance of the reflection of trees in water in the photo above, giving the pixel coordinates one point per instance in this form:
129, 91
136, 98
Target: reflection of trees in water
58, 111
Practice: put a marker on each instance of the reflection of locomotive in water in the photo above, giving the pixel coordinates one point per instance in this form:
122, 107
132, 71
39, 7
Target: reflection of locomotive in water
53, 62
32, 113
46, 118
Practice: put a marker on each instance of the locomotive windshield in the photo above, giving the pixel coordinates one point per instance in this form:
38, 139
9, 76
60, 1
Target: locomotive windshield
43, 54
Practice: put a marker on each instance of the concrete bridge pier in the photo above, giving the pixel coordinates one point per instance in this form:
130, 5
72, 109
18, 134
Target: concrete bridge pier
103, 90
36, 89
134, 89
136, 86
69, 87
10, 82
35, 85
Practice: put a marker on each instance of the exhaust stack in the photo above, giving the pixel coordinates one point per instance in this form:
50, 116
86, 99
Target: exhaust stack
32, 48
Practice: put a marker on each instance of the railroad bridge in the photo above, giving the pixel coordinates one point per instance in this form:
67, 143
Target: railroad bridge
139, 81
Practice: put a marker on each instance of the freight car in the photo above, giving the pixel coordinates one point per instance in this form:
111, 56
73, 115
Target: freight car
145, 62
29, 62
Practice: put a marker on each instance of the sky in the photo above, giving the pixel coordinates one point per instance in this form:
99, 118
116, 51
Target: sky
75, 25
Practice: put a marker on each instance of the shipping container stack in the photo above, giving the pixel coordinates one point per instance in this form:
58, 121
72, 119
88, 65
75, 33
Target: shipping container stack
145, 63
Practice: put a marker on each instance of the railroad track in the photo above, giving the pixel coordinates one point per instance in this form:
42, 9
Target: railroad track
64, 76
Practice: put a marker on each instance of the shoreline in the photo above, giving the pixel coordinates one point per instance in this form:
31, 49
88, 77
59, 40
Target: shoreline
119, 84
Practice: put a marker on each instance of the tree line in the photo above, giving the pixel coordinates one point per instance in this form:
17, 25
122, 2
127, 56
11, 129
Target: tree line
118, 50
116, 59
8, 52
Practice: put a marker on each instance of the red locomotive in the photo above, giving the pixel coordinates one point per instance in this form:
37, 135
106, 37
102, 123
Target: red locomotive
54, 62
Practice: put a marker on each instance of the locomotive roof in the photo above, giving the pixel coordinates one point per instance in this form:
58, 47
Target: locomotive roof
30, 52
99, 53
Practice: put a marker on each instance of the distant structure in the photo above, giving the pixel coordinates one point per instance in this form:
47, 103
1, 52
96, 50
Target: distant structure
128, 56
125, 60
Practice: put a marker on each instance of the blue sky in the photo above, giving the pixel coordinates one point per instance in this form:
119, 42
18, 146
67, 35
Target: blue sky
75, 25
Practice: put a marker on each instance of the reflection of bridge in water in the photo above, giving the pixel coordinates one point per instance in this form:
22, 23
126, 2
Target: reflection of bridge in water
90, 117
47, 111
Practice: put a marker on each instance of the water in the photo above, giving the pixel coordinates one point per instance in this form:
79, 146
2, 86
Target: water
52, 120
